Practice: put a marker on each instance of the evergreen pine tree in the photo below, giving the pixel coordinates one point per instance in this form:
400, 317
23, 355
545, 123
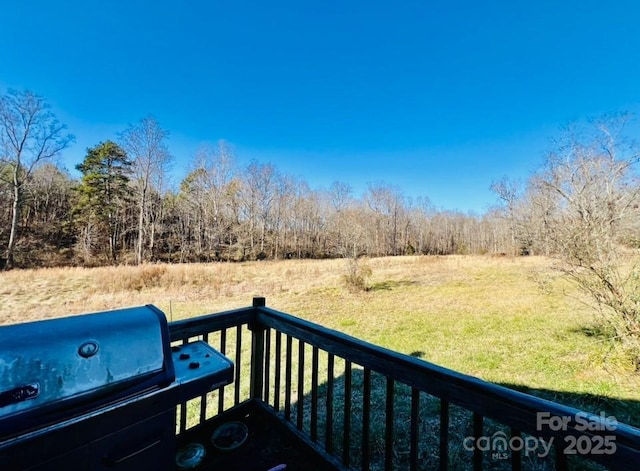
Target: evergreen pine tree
103, 191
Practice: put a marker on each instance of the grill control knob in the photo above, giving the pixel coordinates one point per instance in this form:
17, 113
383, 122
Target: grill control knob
194, 365
190, 456
88, 349
184, 356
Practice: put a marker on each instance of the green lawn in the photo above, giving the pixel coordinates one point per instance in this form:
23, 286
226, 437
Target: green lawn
516, 323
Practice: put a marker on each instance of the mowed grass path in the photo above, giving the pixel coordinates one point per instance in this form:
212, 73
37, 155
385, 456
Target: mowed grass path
510, 321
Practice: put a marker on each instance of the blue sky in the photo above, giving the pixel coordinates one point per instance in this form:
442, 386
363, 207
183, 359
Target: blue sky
437, 98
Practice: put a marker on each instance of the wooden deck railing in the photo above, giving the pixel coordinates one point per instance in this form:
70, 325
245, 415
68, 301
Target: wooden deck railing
373, 408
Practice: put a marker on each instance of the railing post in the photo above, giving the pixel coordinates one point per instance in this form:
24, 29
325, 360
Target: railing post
257, 353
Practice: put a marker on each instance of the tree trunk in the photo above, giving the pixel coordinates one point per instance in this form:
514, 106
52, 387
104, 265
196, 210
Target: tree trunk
15, 216
112, 247
113, 234
152, 241
140, 230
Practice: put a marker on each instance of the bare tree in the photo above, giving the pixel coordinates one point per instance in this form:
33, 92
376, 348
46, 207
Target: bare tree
285, 190
420, 214
355, 233
507, 191
47, 212
145, 143
29, 135
219, 167
340, 196
50, 195
536, 208
261, 185
595, 215
387, 204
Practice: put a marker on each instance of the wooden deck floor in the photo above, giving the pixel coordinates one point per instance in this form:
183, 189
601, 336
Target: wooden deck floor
271, 444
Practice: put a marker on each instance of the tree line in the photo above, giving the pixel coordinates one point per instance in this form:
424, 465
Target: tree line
122, 209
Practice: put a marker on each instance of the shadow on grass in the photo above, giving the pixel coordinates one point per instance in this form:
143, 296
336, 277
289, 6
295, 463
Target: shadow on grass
599, 332
624, 410
460, 425
390, 285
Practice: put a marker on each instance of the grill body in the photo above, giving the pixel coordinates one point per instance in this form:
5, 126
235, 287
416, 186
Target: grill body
98, 391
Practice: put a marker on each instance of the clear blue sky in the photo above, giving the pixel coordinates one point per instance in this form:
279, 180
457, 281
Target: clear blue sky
438, 98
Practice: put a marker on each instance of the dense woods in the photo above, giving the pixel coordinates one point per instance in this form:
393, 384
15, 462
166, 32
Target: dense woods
121, 210
222, 211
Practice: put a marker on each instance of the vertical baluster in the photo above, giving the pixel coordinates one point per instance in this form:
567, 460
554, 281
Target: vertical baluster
236, 393
477, 433
314, 395
562, 463
388, 438
300, 409
444, 435
276, 379
516, 455
415, 431
203, 398
183, 417
258, 332
287, 397
183, 408
267, 365
329, 405
223, 350
366, 419
346, 441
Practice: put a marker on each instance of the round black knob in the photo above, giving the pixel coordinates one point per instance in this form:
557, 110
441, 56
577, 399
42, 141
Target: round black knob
184, 356
194, 365
88, 349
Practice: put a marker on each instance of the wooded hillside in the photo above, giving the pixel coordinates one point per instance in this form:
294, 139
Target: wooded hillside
122, 209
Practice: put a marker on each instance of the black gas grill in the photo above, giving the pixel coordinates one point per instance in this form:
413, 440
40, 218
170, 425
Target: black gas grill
98, 391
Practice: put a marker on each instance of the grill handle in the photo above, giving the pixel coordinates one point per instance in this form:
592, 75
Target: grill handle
112, 462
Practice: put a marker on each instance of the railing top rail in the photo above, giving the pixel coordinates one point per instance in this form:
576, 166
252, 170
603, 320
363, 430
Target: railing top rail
200, 325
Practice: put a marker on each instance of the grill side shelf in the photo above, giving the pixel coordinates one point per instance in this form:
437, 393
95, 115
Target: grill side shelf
199, 369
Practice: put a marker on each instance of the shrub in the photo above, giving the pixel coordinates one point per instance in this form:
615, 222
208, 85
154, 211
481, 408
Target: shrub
358, 275
145, 277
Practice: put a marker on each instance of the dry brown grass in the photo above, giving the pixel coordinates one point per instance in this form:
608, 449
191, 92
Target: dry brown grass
180, 290
186, 290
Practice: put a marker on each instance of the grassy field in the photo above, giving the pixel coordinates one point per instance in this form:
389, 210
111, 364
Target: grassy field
510, 321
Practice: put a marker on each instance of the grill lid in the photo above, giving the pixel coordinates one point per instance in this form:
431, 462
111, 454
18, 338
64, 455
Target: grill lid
69, 365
